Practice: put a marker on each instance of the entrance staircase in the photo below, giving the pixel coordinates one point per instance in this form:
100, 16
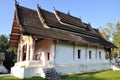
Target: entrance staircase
51, 74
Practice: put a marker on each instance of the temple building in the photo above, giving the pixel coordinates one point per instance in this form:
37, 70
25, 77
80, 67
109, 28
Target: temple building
46, 40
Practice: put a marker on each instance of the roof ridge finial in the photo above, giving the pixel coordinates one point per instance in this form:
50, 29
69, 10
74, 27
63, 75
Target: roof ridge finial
89, 23
54, 8
68, 12
16, 2
38, 5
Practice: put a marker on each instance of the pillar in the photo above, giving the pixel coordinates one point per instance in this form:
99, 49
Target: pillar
32, 49
28, 50
18, 54
21, 53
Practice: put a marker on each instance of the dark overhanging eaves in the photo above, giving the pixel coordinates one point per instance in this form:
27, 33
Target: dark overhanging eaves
25, 32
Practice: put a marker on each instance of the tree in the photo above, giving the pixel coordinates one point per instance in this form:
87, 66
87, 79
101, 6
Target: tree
116, 37
10, 53
3, 43
112, 33
10, 58
108, 31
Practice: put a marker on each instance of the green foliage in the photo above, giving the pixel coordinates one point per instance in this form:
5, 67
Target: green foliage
10, 58
112, 33
107, 31
116, 38
9, 78
10, 53
104, 75
116, 41
3, 43
111, 30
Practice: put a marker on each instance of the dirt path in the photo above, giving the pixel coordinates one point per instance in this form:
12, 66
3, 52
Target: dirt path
4, 75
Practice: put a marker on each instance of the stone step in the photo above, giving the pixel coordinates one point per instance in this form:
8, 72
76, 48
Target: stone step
51, 74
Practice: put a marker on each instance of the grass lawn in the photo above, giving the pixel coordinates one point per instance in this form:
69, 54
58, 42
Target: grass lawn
104, 75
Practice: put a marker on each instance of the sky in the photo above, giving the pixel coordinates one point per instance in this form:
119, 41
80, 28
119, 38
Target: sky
96, 12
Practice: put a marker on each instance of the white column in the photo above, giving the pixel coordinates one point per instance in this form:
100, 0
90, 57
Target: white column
32, 50
18, 54
96, 52
21, 53
27, 53
86, 51
52, 53
43, 58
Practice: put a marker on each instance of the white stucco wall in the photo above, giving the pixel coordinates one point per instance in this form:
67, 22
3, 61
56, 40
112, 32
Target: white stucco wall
85, 54
64, 53
66, 58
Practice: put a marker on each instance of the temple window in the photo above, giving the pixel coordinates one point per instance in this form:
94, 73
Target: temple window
99, 55
24, 52
90, 56
48, 56
79, 54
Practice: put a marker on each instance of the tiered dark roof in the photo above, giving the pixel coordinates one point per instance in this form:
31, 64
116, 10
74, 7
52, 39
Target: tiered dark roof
60, 26
67, 18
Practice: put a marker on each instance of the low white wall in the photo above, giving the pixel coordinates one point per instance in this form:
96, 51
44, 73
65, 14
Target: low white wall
27, 72
67, 61
81, 68
18, 72
27, 69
